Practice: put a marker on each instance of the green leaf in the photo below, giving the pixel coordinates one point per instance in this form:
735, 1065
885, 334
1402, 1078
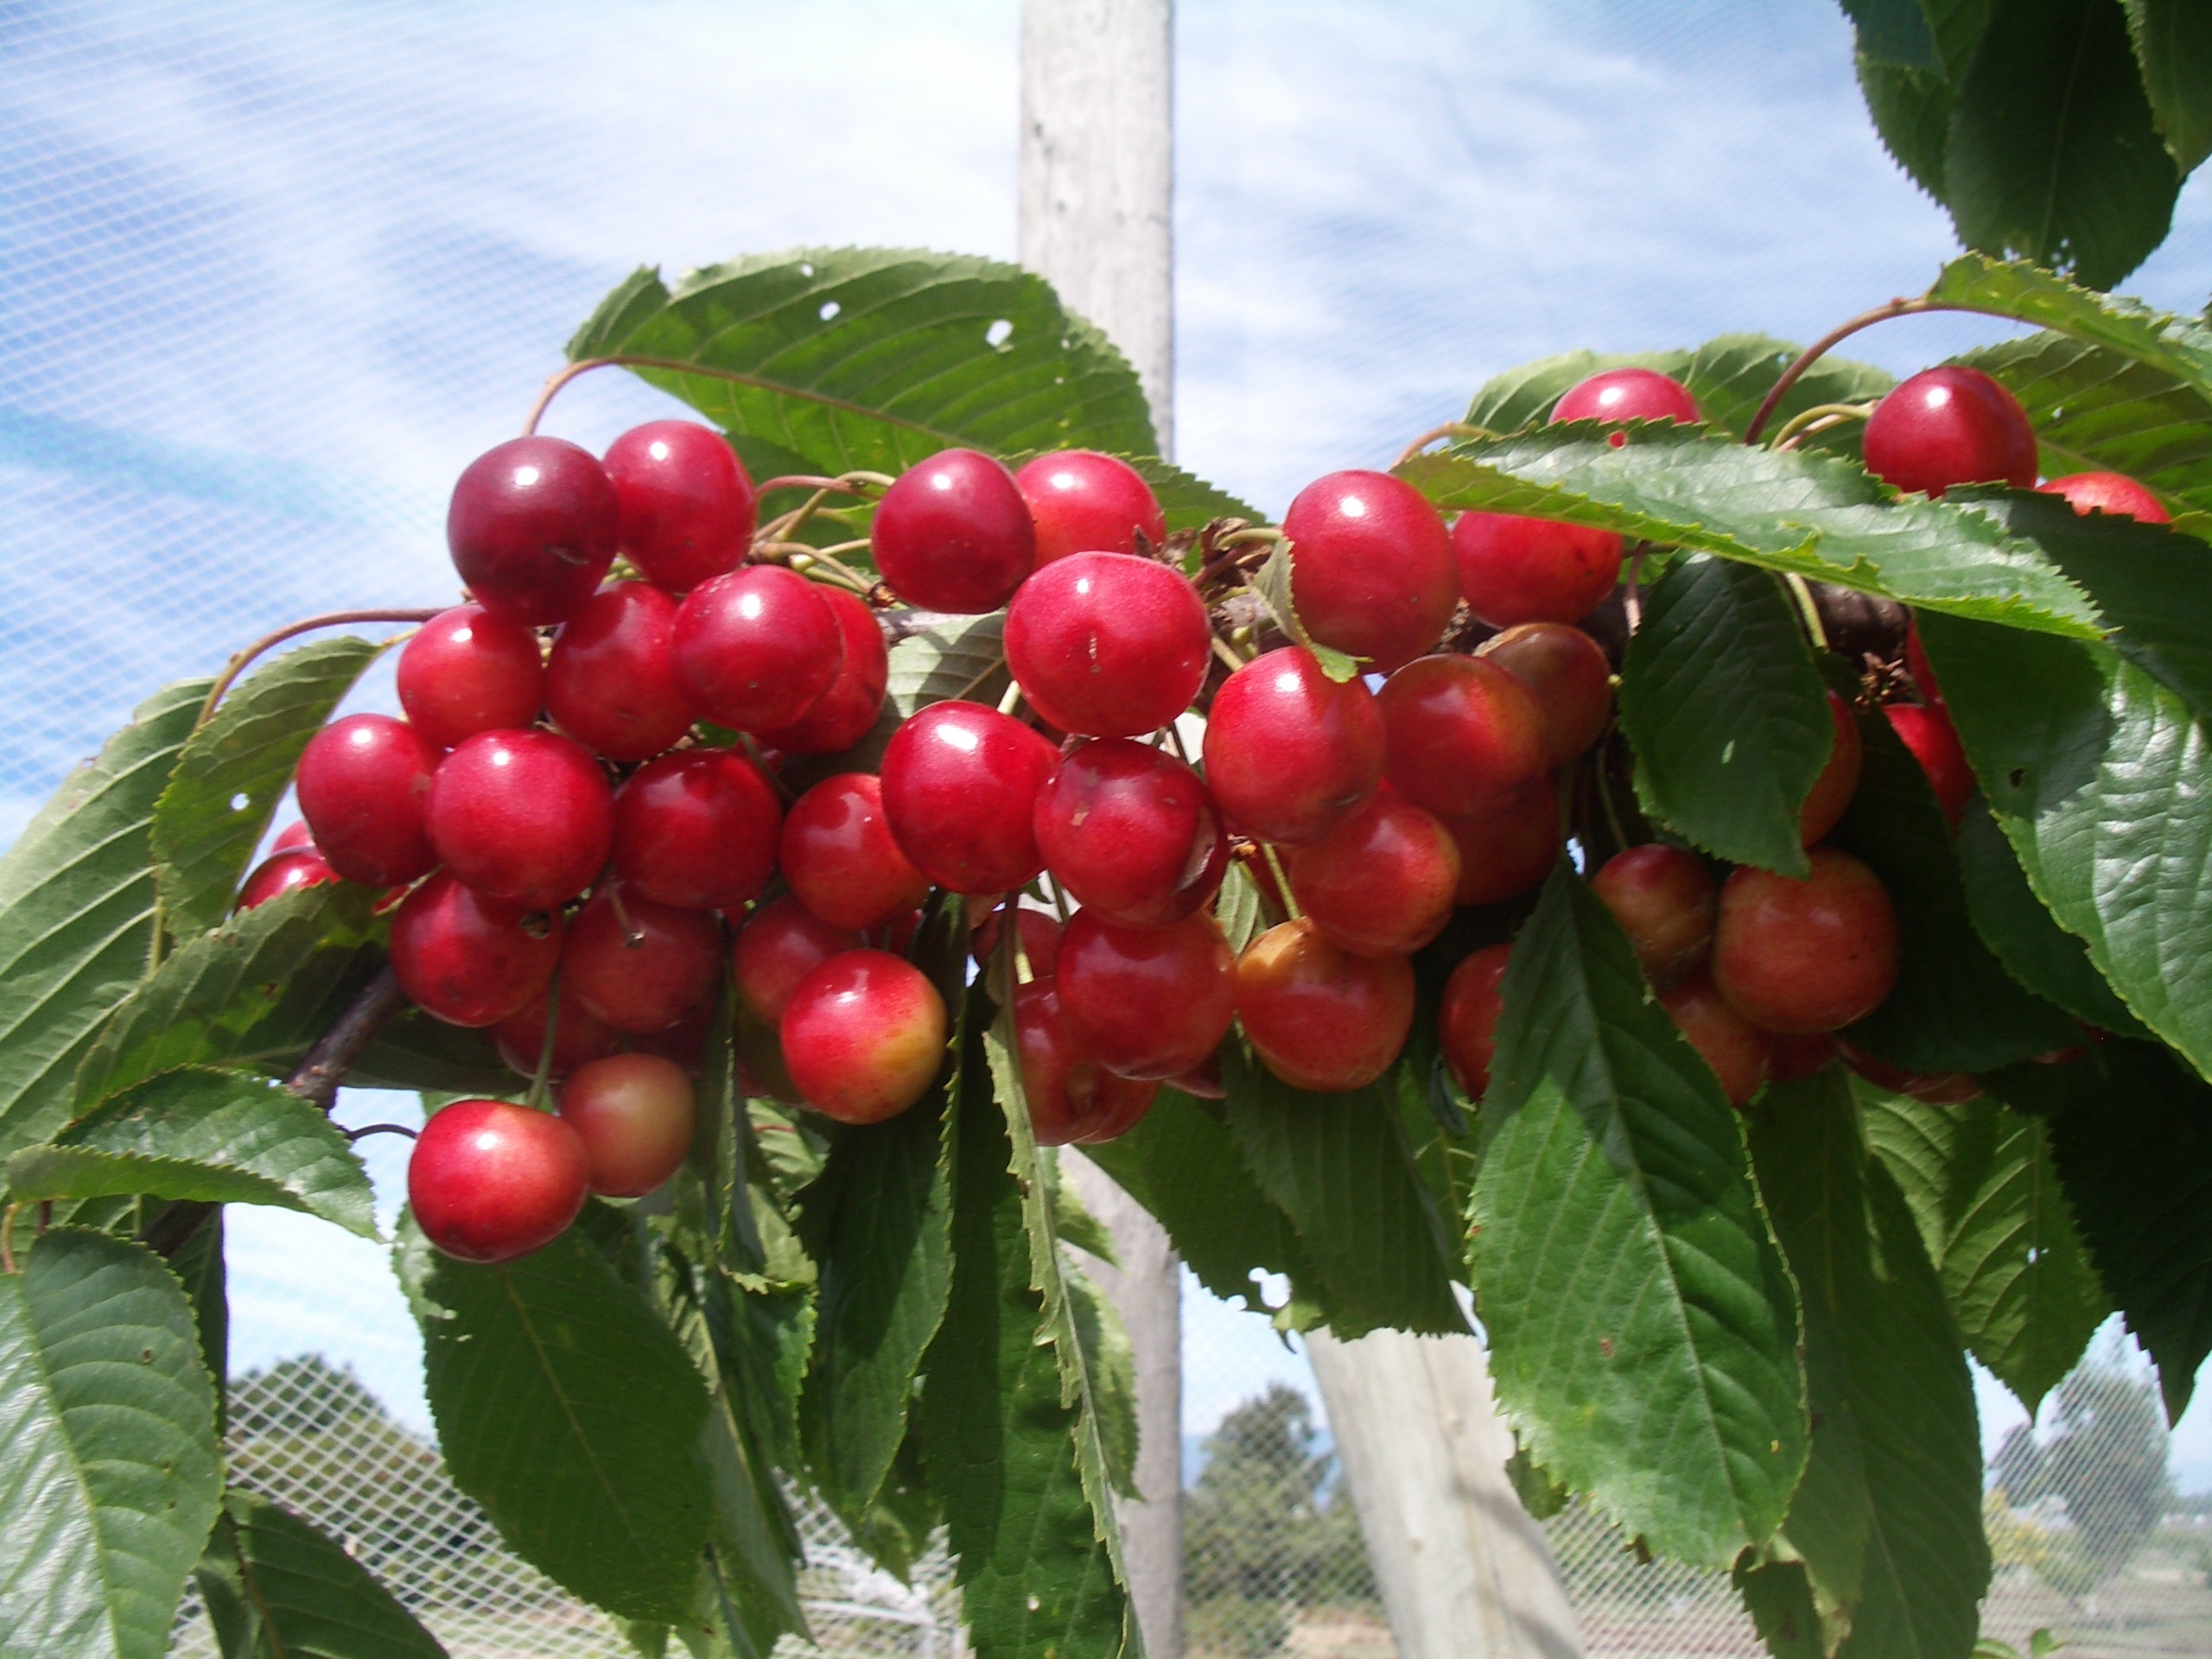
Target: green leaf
567, 1410
1778, 1595
2179, 347
1912, 114
1725, 711
2173, 47
1237, 907
235, 769
758, 1548
1644, 1330
77, 902
277, 1588
1274, 584
412, 1051
219, 1137
1112, 1363
199, 1267
963, 656
113, 1474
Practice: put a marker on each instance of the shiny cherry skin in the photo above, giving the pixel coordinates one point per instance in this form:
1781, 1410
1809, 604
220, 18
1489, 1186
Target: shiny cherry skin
753, 650
1148, 1003
2114, 492
838, 856
1289, 753
1739, 1055
525, 816
1081, 501
1797, 956
580, 1035
1567, 672
781, 944
282, 873
609, 680
863, 1036
1371, 569
1917, 665
1505, 853
640, 966
1382, 882
1515, 569
697, 829
1928, 732
1627, 395
1461, 735
469, 960
847, 712
364, 784
490, 1181
1665, 901
532, 528
1108, 644
687, 508
1830, 795
1950, 425
1319, 1017
1131, 833
467, 670
294, 834
1466, 1022
960, 786
1073, 1099
954, 534
635, 1114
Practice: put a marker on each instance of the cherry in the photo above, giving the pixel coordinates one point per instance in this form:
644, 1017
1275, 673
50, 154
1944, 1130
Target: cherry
2091, 492
489, 1180
609, 683
1665, 900
469, 960
1738, 1053
282, 873
847, 712
698, 828
1515, 569
1130, 832
1319, 1017
1371, 568
682, 1045
363, 784
1801, 1056
1146, 1001
1081, 501
781, 944
580, 1035
638, 965
1108, 644
755, 649
1916, 663
525, 816
1804, 956
1382, 882
532, 528
1936, 1088
838, 855
469, 670
1073, 1099
1289, 753
1466, 1023
1947, 426
1461, 735
1567, 672
688, 509
960, 784
1627, 395
863, 1036
953, 534
1830, 797
1928, 732
635, 1114
294, 834
1040, 934
1511, 850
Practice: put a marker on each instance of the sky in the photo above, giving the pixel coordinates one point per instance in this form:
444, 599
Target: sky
278, 269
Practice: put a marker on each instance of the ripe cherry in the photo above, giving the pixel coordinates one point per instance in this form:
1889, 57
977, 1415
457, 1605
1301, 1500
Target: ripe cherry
781, 944
1371, 570
698, 828
1627, 395
953, 534
1131, 833
1462, 736
1799, 1056
635, 1114
837, 853
640, 966
960, 784
688, 509
489, 1180
753, 650
468, 671
863, 1036
1466, 1023
1509, 851
525, 816
1073, 1099
1289, 753
1515, 569
609, 682
282, 873
1108, 644
1040, 936
1947, 426
294, 834
682, 1045
580, 1035
1738, 1053
532, 528
1146, 1001
847, 712
1382, 882
1665, 900
1928, 732
1830, 795
1804, 956
469, 960
363, 784
1916, 663
1567, 672
2115, 493
1081, 501
1319, 1017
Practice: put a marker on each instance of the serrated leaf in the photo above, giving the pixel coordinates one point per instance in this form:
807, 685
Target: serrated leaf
1111, 1364
2178, 347
235, 769
2173, 49
113, 1474
1644, 1330
198, 1266
1273, 583
219, 1137
277, 1588
1778, 1595
758, 1549
1895, 31
962, 657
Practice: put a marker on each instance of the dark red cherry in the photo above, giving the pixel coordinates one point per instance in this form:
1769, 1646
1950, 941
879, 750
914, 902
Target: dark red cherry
2114, 492
363, 783
1627, 395
1567, 672
1149, 1002
1738, 1053
294, 834
1108, 644
525, 816
1073, 1099
1792, 1058
1799, 957
960, 784
285, 872
1509, 851
489, 1180
1467, 1024
1289, 753
953, 534
688, 510
1371, 570
1928, 732
1131, 833
638, 965
609, 682
780, 943
838, 855
753, 650
1081, 501
532, 528
468, 671
1515, 569
863, 1036
847, 712
1665, 900
1461, 735
580, 1035
469, 960
1040, 934
1318, 1016
1830, 795
1947, 426
697, 828
1382, 882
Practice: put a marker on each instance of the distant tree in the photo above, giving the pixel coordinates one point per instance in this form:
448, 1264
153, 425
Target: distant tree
2104, 1459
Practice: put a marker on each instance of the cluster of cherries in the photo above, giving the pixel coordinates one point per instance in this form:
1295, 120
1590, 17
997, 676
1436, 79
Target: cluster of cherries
583, 832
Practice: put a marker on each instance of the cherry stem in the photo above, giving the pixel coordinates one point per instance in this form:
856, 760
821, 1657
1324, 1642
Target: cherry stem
1222, 650
1449, 429
244, 659
1282, 880
561, 378
1809, 609
808, 560
1632, 596
1600, 780
538, 1080
8, 1239
367, 1129
845, 483
1012, 700
1819, 418
1828, 342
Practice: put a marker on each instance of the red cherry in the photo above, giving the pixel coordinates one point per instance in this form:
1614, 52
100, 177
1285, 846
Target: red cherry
1928, 732
1916, 663
525, 816
640, 966
960, 784
1665, 900
1466, 1023
469, 960
682, 1045
1801, 1056
1461, 735
1081, 501
1797, 956
1830, 795
1567, 672
1321, 1018
1146, 1001
1131, 833
753, 650
363, 784
1515, 569
468, 671
1289, 753
1936, 1088
1108, 644
1382, 882
1039, 935
780, 944
847, 712
863, 1036
1627, 395
688, 510
1503, 854
1371, 570
1738, 1053
1071, 1097
1947, 426
489, 1181
953, 534
609, 683
532, 528
635, 1114
838, 855
294, 834
580, 1035
2091, 492
697, 829
285, 872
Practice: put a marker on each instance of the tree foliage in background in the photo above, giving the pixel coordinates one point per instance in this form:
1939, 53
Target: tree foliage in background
2103, 1459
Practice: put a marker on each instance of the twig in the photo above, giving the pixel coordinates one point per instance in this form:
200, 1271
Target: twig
244, 659
379, 1128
